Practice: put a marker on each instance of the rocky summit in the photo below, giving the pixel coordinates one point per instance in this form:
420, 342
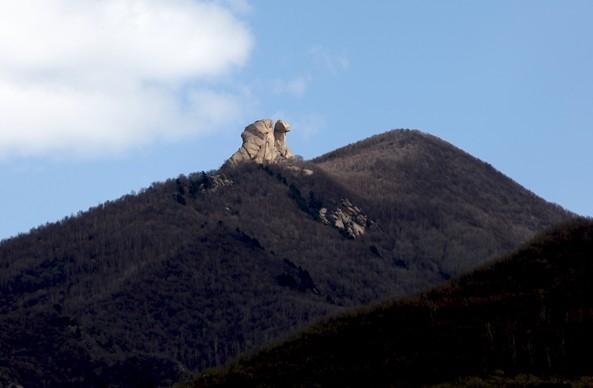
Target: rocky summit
263, 142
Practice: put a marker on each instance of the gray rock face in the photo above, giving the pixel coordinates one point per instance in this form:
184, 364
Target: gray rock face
212, 183
263, 142
347, 218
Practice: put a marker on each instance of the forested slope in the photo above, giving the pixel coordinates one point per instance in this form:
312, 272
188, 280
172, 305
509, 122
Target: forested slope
436, 200
526, 320
192, 271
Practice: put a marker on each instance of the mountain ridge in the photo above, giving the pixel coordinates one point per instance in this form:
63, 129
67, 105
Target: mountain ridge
442, 173
197, 269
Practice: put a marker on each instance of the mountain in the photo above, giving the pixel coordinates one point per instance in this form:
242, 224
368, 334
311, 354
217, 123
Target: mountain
192, 271
436, 201
525, 320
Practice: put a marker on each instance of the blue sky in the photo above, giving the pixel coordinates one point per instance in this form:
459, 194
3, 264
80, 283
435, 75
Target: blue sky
156, 96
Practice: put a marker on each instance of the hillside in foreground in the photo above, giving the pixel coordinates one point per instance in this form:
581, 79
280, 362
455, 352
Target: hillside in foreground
526, 320
193, 271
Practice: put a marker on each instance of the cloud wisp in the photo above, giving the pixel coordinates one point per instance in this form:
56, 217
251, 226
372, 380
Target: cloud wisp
294, 87
332, 62
87, 77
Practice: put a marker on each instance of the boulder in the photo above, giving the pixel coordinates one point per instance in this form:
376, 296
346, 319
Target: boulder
347, 218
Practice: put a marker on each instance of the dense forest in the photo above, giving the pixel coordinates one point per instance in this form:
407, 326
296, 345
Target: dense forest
190, 272
437, 200
525, 320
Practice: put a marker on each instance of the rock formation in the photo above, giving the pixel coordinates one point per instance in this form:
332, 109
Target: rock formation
263, 142
347, 218
296, 170
213, 182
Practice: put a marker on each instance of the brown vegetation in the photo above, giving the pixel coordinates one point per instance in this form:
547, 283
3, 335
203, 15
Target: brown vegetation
185, 275
529, 314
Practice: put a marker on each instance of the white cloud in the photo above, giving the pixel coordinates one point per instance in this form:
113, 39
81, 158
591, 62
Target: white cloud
330, 61
295, 87
85, 76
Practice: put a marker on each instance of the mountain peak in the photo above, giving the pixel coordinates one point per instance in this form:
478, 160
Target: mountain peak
263, 142
217, 264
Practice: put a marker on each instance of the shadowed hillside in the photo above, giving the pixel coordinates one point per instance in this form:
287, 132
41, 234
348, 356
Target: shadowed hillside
436, 200
193, 271
526, 320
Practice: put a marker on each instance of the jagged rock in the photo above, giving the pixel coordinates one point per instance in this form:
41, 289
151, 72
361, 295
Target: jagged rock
263, 142
347, 218
212, 183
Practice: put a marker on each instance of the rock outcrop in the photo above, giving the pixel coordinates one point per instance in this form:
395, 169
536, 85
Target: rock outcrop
263, 142
296, 170
347, 218
212, 183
